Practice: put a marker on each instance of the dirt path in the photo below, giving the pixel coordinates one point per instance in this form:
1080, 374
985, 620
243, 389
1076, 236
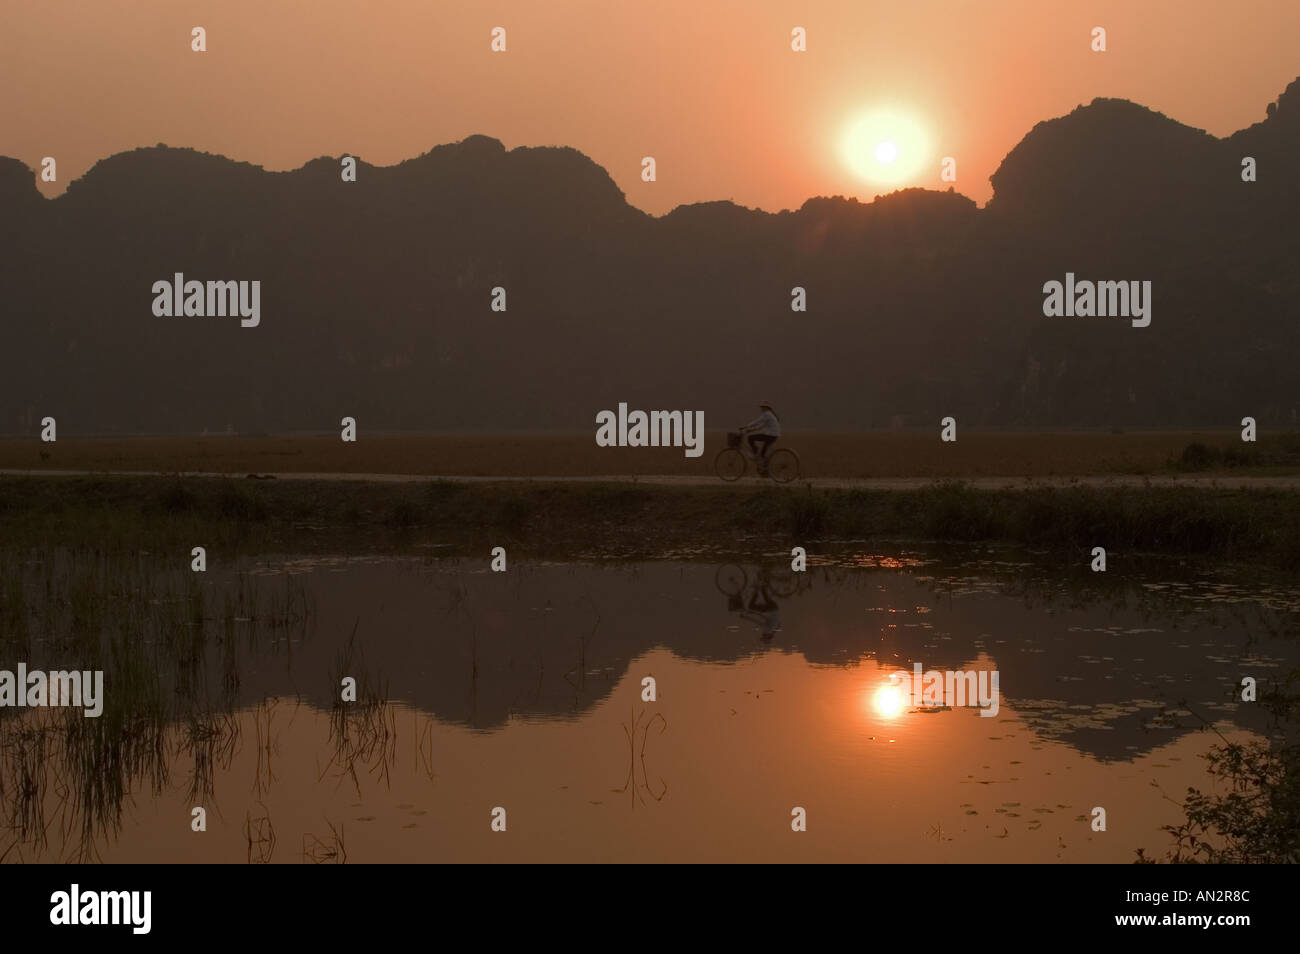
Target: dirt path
1223, 482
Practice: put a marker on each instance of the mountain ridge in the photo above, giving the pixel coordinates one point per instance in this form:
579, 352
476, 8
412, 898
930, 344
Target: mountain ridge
376, 296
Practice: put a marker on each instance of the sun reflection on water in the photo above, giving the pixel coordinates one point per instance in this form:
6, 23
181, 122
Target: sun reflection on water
889, 701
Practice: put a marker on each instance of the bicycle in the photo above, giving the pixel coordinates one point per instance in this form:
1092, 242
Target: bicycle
733, 460
732, 580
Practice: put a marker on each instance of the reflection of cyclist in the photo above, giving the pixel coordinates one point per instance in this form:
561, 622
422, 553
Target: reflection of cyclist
763, 610
762, 433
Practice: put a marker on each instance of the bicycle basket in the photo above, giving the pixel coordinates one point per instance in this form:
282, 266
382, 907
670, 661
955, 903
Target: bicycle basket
733, 438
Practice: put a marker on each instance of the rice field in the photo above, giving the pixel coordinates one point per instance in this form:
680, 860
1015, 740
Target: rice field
877, 454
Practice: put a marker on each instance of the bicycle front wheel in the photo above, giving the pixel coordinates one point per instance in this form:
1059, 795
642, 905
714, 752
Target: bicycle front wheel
730, 579
729, 464
783, 466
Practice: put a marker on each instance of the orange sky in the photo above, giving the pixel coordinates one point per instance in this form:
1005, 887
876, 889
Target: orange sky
710, 88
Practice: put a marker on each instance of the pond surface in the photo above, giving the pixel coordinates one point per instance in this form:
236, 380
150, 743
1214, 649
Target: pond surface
525, 691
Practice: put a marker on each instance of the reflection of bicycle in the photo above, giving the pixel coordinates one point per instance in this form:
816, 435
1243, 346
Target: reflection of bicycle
733, 460
755, 599
732, 580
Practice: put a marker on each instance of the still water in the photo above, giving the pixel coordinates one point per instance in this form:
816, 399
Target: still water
526, 691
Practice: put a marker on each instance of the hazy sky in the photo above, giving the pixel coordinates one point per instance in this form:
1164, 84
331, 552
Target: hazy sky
710, 88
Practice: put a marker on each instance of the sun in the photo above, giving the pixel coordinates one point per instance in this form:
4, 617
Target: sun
889, 701
886, 146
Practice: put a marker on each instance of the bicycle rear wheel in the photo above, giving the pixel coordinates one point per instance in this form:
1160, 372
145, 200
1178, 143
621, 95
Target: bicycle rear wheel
783, 466
729, 464
782, 581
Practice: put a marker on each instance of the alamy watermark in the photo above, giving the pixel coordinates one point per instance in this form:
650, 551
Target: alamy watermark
102, 907
194, 299
951, 688
651, 429
1086, 299
37, 689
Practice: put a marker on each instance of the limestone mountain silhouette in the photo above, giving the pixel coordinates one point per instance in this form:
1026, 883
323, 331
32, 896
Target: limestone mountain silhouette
376, 293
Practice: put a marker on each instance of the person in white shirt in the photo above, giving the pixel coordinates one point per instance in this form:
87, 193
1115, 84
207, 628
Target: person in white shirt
762, 433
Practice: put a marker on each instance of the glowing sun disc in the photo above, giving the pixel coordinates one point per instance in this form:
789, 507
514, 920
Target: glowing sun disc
886, 146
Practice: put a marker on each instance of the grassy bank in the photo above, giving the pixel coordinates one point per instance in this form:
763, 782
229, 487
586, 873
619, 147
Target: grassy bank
550, 519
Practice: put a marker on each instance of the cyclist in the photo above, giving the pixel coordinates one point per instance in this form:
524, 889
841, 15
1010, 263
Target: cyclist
762, 433
763, 609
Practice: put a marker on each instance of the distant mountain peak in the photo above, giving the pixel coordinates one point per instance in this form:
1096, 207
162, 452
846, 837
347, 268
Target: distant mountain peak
17, 185
1287, 107
1099, 156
